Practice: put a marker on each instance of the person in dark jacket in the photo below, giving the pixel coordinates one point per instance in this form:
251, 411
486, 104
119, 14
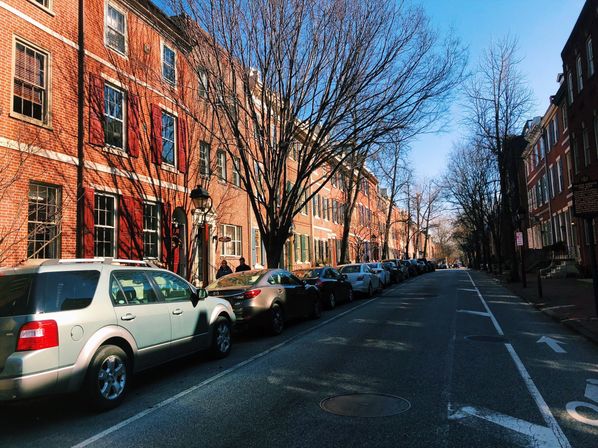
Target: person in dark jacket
224, 269
242, 266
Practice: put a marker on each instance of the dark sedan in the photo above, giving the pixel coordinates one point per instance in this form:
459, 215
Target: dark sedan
268, 297
394, 267
333, 286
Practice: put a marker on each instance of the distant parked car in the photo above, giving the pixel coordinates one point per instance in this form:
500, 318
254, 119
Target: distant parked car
267, 297
383, 273
411, 267
334, 287
423, 265
396, 270
362, 278
89, 325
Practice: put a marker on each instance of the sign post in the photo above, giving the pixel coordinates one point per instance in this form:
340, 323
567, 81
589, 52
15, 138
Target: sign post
585, 205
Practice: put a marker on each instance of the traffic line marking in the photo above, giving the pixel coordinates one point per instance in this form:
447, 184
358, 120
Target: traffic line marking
213, 378
544, 409
552, 343
477, 313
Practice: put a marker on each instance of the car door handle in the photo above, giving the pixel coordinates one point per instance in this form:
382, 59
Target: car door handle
177, 312
128, 316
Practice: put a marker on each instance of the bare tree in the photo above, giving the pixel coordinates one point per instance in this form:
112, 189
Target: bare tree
498, 100
321, 78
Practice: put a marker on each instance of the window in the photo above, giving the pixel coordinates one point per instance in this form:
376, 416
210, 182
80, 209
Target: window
30, 95
44, 3
596, 130
569, 89
202, 75
131, 288
221, 165
233, 247
172, 288
151, 231
204, 159
590, 56
114, 117
115, 29
579, 74
561, 175
555, 129
105, 225
168, 64
586, 145
236, 174
575, 154
565, 119
168, 139
43, 224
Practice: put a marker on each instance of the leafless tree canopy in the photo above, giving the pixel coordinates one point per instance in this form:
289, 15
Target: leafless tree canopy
332, 74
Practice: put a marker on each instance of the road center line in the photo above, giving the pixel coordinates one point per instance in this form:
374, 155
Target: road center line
527, 379
213, 378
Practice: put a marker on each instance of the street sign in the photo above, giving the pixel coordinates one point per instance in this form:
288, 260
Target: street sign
585, 199
224, 239
519, 238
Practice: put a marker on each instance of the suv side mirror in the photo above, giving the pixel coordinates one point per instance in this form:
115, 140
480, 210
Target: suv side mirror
197, 295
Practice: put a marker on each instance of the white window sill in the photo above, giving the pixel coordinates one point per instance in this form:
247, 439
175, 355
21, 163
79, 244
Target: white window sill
43, 8
116, 151
30, 120
169, 168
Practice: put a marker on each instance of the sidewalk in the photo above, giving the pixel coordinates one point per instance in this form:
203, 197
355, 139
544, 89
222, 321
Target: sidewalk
568, 300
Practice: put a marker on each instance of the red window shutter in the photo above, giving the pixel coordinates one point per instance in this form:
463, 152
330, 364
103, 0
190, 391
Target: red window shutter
182, 145
125, 227
156, 134
133, 135
138, 222
88, 222
96, 110
166, 231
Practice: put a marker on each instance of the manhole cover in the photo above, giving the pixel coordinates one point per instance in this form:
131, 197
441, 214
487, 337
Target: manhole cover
483, 338
365, 405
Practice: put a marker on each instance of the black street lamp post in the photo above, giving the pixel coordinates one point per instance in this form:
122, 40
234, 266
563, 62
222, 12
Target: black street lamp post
202, 202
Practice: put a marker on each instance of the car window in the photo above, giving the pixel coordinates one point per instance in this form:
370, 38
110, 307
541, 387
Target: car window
131, 288
291, 279
275, 279
172, 288
350, 269
329, 274
335, 273
247, 278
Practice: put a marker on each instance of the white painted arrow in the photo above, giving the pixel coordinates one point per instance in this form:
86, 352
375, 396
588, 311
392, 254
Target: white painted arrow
552, 343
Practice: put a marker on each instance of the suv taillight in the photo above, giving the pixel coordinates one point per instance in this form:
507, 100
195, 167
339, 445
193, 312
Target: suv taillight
37, 335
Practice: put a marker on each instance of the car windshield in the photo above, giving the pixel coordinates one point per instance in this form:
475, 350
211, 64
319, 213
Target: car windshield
389, 264
247, 278
308, 273
350, 269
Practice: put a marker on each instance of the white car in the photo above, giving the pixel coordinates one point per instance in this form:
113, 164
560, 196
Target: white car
383, 274
361, 277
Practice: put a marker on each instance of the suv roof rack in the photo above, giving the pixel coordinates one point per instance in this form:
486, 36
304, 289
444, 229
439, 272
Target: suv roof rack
103, 260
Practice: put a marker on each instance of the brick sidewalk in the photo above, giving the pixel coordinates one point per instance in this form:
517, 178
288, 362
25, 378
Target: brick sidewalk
568, 300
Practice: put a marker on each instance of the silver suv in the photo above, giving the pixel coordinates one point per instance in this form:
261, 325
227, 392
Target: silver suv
70, 325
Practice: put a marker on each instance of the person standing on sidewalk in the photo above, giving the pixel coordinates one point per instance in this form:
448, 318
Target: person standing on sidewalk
224, 269
242, 266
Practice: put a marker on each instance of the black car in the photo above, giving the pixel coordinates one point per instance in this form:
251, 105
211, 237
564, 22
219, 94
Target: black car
412, 266
396, 273
333, 286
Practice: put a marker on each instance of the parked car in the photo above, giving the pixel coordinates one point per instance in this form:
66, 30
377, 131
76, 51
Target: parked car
417, 267
89, 325
396, 271
382, 272
267, 297
332, 285
361, 277
422, 265
411, 267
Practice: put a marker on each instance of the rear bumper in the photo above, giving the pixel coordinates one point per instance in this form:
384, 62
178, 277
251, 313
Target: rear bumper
29, 386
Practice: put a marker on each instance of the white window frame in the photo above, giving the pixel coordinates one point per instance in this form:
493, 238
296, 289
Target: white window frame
121, 10
123, 119
586, 145
221, 165
45, 7
569, 88
46, 106
236, 173
174, 141
203, 82
204, 158
157, 231
52, 220
233, 248
579, 69
163, 64
114, 227
590, 56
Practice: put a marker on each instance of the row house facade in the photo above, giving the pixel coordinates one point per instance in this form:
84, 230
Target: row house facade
100, 148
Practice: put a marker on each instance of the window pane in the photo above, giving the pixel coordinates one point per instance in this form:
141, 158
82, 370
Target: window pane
131, 288
172, 288
43, 221
168, 139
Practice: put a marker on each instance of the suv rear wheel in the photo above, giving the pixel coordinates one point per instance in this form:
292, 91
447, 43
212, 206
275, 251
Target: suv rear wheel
108, 377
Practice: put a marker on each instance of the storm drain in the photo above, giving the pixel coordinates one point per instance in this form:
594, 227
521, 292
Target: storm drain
365, 405
485, 338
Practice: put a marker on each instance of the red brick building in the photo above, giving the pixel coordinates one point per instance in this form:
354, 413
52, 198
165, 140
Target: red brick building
99, 153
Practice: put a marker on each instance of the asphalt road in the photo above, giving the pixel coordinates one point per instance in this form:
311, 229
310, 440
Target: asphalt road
410, 348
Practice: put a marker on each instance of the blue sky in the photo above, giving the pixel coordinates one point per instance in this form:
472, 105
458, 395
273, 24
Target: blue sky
541, 27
